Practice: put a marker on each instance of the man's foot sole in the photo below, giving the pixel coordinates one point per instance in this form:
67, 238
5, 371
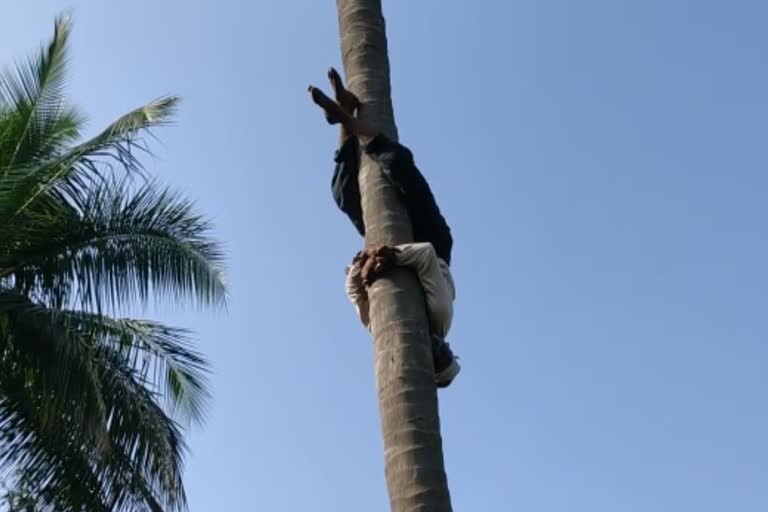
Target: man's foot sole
334, 113
344, 97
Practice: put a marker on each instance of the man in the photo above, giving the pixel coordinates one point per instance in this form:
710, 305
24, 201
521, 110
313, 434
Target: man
429, 256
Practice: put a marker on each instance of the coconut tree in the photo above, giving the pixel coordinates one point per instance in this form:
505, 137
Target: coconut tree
410, 423
93, 404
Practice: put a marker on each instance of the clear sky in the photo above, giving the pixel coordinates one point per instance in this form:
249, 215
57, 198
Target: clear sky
604, 167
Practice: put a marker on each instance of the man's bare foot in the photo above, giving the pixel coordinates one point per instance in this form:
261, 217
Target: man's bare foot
334, 113
344, 97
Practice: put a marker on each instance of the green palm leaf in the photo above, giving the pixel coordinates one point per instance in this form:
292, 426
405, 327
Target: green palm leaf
46, 432
92, 407
120, 143
111, 246
35, 121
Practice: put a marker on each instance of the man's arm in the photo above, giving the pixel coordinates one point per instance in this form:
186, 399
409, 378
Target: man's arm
356, 291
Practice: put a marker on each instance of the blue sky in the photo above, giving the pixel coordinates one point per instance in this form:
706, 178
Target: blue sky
604, 167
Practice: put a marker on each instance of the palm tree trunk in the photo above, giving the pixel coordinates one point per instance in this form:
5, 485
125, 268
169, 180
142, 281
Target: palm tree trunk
410, 423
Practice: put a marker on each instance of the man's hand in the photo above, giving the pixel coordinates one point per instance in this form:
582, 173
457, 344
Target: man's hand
377, 260
359, 257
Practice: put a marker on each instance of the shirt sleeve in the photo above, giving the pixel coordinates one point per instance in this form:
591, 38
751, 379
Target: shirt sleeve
357, 293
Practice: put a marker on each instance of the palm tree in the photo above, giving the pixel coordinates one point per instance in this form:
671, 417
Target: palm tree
410, 423
93, 405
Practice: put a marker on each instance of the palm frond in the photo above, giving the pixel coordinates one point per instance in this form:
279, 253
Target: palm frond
162, 356
34, 121
112, 246
117, 147
147, 454
52, 459
92, 407
165, 359
140, 459
140, 471
57, 363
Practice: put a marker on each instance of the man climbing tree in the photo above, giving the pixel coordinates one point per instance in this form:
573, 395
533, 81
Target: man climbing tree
394, 309
429, 256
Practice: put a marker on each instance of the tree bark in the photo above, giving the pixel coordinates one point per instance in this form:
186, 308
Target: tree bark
410, 424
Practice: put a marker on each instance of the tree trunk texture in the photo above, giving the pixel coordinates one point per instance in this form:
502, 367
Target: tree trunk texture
410, 424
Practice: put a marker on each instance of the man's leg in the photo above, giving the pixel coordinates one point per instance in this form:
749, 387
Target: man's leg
396, 161
335, 114
344, 185
348, 102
